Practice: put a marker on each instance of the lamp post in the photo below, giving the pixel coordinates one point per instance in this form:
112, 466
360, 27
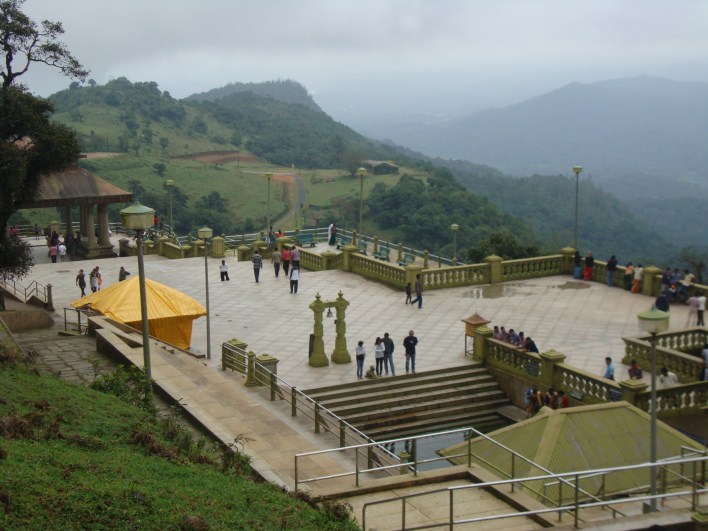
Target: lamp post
576, 170
454, 228
170, 184
139, 218
653, 322
205, 234
361, 172
268, 176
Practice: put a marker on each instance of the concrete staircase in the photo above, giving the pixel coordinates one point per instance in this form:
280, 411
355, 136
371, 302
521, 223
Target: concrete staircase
415, 404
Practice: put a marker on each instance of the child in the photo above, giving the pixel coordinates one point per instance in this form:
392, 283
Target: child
408, 292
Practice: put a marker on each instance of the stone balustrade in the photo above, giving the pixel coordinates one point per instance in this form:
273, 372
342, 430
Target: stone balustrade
672, 351
593, 388
525, 268
678, 400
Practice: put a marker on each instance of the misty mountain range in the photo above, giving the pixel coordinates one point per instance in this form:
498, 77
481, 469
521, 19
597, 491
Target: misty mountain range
638, 137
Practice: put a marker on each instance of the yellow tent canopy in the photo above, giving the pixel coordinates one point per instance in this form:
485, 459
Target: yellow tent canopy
170, 312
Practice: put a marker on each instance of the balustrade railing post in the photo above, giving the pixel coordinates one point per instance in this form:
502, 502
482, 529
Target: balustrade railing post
293, 402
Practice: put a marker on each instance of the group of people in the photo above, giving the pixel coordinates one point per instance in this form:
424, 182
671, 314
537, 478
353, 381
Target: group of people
95, 280
289, 259
518, 340
418, 292
583, 268
536, 399
383, 355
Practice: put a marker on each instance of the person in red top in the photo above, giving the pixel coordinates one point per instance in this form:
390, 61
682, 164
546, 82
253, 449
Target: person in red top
286, 259
564, 400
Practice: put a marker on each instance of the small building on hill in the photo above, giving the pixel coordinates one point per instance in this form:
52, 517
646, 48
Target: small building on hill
380, 167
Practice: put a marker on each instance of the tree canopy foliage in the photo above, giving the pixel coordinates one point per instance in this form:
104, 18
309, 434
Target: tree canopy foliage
30, 144
422, 213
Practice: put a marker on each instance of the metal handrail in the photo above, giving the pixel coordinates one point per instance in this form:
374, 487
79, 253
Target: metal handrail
269, 379
575, 507
25, 293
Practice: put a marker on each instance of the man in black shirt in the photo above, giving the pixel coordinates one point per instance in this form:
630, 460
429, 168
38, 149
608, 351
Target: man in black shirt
409, 344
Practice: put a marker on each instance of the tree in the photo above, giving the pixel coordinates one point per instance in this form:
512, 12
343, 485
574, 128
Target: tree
30, 144
159, 168
502, 243
696, 259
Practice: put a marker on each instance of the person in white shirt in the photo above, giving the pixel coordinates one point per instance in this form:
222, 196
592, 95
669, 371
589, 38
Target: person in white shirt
62, 251
667, 378
701, 309
224, 271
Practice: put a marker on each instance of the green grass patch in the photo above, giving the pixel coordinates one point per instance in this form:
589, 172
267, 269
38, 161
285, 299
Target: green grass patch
75, 458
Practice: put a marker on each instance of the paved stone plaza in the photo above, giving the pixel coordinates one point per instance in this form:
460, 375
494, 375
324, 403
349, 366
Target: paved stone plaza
583, 320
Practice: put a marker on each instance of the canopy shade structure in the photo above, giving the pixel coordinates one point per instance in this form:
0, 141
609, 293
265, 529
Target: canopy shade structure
170, 312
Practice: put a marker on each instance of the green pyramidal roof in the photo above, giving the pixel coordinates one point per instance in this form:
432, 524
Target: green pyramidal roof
575, 439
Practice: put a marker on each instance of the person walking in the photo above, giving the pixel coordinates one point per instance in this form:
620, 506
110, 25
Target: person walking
122, 274
224, 271
418, 292
611, 268
360, 356
81, 282
294, 279
257, 264
37, 230
275, 259
409, 344
408, 292
388, 354
379, 350
286, 260
62, 251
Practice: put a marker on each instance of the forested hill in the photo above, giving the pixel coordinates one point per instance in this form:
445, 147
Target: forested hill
126, 116
287, 91
606, 226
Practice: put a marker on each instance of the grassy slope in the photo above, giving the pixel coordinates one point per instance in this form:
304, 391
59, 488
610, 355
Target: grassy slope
93, 476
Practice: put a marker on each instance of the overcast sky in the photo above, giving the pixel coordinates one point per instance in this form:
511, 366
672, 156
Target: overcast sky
377, 50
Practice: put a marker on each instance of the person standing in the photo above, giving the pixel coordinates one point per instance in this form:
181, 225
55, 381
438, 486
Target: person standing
692, 309
578, 262
81, 282
332, 234
701, 308
418, 292
611, 268
286, 260
37, 230
295, 257
275, 259
294, 279
122, 274
257, 264
388, 354
93, 279
61, 249
637, 281
628, 276
409, 344
589, 264
609, 370
53, 252
408, 292
360, 356
379, 353
224, 271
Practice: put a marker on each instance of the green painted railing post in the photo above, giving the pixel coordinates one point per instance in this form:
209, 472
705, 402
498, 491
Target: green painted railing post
426, 255
376, 245
568, 266
399, 255
495, 269
217, 247
549, 360
347, 252
652, 281
630, 390
251, 370
481, 335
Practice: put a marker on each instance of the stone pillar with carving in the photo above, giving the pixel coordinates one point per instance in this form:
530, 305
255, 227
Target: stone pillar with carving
568, 254
90, 228
481, 335
651, 286
217, 247
631, 388
317, 356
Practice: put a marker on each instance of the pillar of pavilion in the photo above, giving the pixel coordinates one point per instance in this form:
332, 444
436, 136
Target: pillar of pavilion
76, 186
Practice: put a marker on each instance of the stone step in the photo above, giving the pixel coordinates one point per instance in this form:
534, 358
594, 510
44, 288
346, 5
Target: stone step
401, 397
427, 409
401, 379
484, 422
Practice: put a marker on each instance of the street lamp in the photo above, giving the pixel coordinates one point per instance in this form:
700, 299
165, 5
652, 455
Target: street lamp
205, 234
170, 184
268, 176
653, 322
576, 170
361, 172
139, 218
454, 228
